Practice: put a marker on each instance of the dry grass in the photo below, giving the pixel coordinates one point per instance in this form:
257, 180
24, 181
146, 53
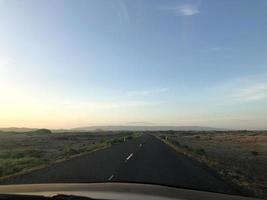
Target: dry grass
24, 152
239, 157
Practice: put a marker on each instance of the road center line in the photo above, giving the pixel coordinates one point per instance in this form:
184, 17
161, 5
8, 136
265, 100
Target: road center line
129, 157
111, 177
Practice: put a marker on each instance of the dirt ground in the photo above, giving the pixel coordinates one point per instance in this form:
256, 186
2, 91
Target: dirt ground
239, 156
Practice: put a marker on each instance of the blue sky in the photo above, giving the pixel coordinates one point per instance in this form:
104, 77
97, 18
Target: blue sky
75, 63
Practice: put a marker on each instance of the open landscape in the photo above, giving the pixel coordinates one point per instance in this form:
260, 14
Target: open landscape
239, 157
22, 152
167, 94
223, 161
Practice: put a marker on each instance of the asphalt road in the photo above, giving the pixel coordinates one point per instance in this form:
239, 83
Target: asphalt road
145, 159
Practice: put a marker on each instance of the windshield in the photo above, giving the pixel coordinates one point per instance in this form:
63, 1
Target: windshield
167, 92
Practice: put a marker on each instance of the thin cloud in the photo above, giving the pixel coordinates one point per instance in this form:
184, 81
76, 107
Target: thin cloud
147, 92
187, 10
8, 70
140, 123
131, 104
5, 61
254, 92
123, 12
110, 104
244, 90
208, 50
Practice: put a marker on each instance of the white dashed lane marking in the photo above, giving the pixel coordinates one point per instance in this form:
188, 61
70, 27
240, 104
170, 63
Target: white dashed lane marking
129, 157
111, 177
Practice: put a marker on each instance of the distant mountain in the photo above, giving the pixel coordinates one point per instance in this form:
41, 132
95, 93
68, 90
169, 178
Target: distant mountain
118, 128
146, 128
16, 129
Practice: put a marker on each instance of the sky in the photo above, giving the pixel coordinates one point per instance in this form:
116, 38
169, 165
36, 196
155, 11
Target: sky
66, 64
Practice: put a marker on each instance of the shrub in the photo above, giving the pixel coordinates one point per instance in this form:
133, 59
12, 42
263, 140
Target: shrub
170, 132
200, 151
254, 153
11, 166
21, 153
71, 152
42, 131
129, 137
175, 142
162, 137
116, 140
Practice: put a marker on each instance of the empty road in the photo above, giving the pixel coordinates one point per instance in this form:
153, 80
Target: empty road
145, 159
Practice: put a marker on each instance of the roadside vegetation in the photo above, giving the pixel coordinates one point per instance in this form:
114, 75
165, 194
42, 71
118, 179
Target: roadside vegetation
240, 157
21, 152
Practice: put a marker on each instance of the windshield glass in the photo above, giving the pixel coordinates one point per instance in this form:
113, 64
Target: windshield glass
167, 92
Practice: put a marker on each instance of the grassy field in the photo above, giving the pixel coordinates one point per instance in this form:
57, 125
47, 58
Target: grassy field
23, 152
239, 157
